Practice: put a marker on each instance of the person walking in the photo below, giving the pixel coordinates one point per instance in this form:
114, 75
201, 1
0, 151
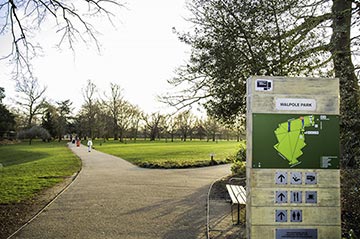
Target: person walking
78, 141
89, 144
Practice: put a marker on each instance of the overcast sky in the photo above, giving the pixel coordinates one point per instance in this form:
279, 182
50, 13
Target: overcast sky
140, 54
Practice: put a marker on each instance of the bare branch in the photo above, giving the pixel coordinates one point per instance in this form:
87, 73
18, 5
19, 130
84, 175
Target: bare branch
21, 18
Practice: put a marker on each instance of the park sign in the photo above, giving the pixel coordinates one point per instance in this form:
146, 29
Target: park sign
293, 158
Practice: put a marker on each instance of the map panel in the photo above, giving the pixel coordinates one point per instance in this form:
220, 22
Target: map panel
295, 141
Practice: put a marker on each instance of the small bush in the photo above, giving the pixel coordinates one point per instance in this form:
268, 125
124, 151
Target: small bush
241, 153
239, 161
239, 168
179, 164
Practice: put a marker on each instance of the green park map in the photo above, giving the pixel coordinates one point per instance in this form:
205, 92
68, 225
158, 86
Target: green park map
291, 138
295, 141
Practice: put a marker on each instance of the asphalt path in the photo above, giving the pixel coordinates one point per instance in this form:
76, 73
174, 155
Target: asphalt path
112, 198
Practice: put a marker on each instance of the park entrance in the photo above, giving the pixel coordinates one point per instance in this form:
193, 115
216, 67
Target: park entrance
293, 158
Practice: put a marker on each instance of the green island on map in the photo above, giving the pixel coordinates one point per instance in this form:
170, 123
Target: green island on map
291, 138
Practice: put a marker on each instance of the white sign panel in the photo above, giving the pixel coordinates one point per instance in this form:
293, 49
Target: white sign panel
290, 104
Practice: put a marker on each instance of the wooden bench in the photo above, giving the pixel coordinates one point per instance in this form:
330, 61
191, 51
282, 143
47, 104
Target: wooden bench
238, 196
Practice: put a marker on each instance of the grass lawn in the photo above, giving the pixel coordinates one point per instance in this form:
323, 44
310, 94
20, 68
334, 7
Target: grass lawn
161, 154
26, 169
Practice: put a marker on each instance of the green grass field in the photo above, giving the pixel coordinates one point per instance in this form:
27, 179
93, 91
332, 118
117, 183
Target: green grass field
161, 154
26, 169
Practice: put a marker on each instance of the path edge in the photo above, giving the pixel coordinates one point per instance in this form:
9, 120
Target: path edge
73, 178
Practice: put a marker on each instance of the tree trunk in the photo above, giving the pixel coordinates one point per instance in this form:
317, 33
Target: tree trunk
152, 134
349, 88
116, 129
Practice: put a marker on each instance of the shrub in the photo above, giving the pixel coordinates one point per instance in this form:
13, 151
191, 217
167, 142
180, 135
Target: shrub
239, 161
241, 153
239, 169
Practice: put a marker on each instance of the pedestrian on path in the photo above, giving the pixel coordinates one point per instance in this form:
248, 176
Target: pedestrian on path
89, 144
78, 141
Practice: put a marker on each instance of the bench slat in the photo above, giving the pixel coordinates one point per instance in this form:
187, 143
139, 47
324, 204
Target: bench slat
240, 193
237, 194
231, 193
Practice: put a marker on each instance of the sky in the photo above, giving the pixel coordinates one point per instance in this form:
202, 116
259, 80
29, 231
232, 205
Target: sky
140, 53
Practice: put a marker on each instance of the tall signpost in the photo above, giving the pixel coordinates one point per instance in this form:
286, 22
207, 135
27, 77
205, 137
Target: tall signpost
293, 158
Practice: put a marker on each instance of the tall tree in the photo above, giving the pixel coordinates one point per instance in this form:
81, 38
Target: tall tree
234, 39
63, 109
135, 117
212, 128
185, 122
171, 126
31, 99
125, 118
49, 119
7, 119
152, 123
113, 104
90, 107
349, 85
199, 129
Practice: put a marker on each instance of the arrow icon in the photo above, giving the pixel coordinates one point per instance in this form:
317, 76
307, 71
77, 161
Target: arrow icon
281, 215
281, 196
281, 178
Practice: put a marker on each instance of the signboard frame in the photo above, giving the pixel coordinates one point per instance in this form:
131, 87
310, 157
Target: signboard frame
312, 189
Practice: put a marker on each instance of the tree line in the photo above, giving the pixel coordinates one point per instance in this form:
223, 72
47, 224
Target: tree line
102, 116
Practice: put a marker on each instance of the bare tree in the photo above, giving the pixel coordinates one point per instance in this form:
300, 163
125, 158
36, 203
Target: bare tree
31, 99
171, 126
153, 124
199, 129
212, 128
90, 106
135, 117
124, 118
185, 122
113, 104
21, 18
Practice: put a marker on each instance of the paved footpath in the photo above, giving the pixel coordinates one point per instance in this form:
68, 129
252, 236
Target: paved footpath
112, 198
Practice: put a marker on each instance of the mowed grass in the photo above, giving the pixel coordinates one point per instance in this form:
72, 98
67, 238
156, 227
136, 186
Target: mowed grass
161, 154
27, 169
